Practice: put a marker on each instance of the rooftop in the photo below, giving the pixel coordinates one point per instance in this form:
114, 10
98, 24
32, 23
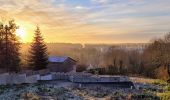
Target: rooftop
57, 59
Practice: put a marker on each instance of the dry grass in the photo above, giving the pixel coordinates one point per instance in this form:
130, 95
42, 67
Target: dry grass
142, 80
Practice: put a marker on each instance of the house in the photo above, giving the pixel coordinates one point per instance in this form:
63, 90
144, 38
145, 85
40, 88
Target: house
61, 64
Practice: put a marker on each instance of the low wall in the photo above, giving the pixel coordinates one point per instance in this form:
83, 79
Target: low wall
14, 78
97, 79
4, 78
32, 79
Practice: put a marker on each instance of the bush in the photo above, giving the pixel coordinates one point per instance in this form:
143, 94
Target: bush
99, 71
159, 82
30, 96
81, 68
164, 96
145, 96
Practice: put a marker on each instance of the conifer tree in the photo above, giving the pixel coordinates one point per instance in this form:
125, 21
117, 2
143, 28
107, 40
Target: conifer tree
38, 58
9, 47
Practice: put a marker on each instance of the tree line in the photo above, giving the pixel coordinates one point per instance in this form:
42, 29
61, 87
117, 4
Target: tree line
153, 61
10, 46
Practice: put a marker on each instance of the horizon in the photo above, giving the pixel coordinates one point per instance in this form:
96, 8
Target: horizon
89, 21
89, 43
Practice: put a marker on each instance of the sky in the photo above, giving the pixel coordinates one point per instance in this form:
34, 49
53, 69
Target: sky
89, 21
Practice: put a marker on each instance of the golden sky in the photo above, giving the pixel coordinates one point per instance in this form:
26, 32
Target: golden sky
89, 21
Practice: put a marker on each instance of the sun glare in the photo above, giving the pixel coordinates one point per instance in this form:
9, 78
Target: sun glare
21, 33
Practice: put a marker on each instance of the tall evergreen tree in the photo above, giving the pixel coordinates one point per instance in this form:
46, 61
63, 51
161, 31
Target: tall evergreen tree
38, 58
9, 47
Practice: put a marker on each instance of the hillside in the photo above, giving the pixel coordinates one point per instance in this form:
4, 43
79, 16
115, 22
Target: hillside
147, 89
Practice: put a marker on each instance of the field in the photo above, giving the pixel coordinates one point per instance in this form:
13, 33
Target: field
151, 89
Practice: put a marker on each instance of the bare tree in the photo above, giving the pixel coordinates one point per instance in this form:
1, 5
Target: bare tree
160, 52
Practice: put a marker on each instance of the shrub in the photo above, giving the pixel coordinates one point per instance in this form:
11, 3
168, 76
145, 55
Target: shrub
145, 96
81, 68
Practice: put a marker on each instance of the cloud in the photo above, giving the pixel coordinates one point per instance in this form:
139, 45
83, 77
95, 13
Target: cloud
106, 20
100, 1
81, 8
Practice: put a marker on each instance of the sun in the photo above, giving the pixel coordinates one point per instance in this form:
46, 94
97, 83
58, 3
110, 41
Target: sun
21, 33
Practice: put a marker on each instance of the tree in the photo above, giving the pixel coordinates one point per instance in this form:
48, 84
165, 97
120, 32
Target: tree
134, 61
38, 58
160, 52
81, 68
9, 47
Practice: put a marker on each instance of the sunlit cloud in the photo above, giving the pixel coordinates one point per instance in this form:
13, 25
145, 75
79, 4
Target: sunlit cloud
92, 21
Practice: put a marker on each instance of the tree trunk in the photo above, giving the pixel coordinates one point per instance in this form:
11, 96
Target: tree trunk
168, 69
114, 62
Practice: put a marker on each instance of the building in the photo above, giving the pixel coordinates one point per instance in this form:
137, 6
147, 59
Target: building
61, 64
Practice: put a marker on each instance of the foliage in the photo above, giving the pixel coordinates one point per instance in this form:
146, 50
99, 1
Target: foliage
164, 96
29, 96
145, 96
159, 82
100, 71
9, 47
111, 70
38, 58
158, 53
81, 68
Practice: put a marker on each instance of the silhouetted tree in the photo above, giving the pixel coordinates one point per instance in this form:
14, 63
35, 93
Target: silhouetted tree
38, 58
9, 47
